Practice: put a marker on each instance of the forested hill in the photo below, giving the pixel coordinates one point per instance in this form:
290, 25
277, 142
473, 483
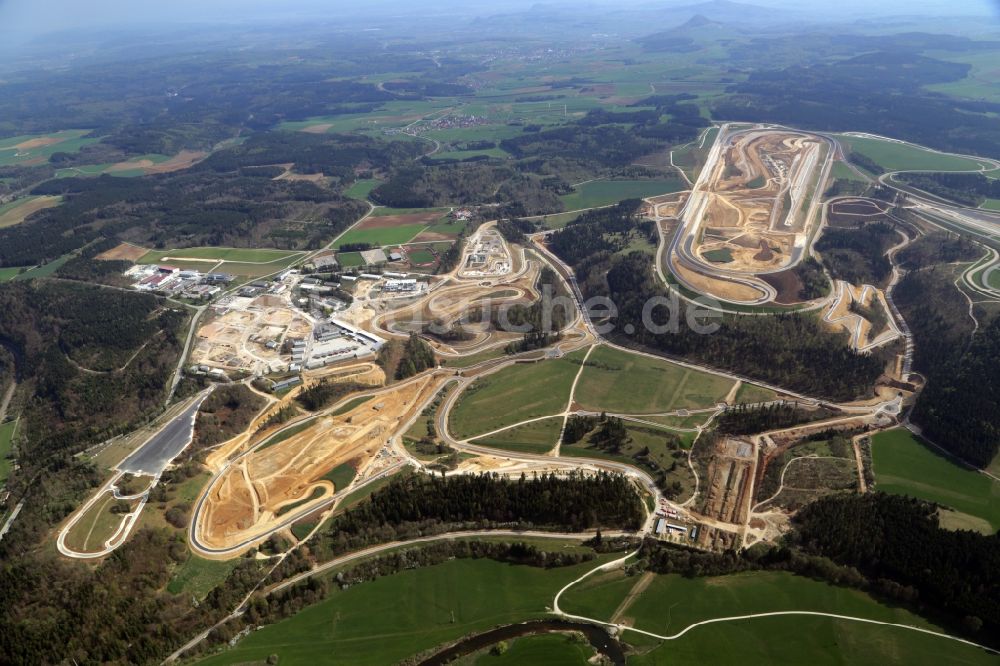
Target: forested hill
843, 95
93, 362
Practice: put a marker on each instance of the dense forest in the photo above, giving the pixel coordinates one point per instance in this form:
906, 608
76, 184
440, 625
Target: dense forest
746, 419
231, 199
92, 359
897, 542
959, 408
419, 504
790, 350
857, 255
841, 94
969, 189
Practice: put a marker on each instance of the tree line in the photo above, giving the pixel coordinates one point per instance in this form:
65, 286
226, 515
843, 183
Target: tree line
421, 504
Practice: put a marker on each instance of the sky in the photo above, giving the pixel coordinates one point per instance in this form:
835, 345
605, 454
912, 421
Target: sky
22, 20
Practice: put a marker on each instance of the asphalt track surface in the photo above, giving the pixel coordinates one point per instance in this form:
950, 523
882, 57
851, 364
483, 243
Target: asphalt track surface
153, 457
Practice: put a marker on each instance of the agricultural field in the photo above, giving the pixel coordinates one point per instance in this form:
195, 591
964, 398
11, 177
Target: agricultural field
625, 383
896, 156
228, 254
991, 204
362, 188
6, 446
535, 437
35, 150
137, 166
441, 603
392, 114
381, 236
387, 226
18, 210
606, 192
905, 466
818, 640
524, 391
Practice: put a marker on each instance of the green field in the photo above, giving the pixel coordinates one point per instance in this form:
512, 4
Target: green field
287, 432
70, 141
45, 270
6, 445
252, 270
447, 226
992, 279
197, 576
841, 171
350, 259
362, 188
10, 273
386, 211
420, 256
228, 254
556, 220
98, 169
721, 256
288, 508
752, 393
991, 204
672, 602
893, 156
350, 404
625, 383
382, 236
605, 192
341, 476
536, 437
653, 445
516, 393
391, 618
905, 466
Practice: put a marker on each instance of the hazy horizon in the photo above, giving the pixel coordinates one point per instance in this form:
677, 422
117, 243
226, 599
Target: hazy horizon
22, 21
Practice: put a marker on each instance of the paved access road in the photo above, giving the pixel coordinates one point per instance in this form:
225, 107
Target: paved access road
152, 458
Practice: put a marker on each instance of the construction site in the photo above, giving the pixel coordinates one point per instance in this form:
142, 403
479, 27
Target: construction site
282, 479
457, 314
753, 211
